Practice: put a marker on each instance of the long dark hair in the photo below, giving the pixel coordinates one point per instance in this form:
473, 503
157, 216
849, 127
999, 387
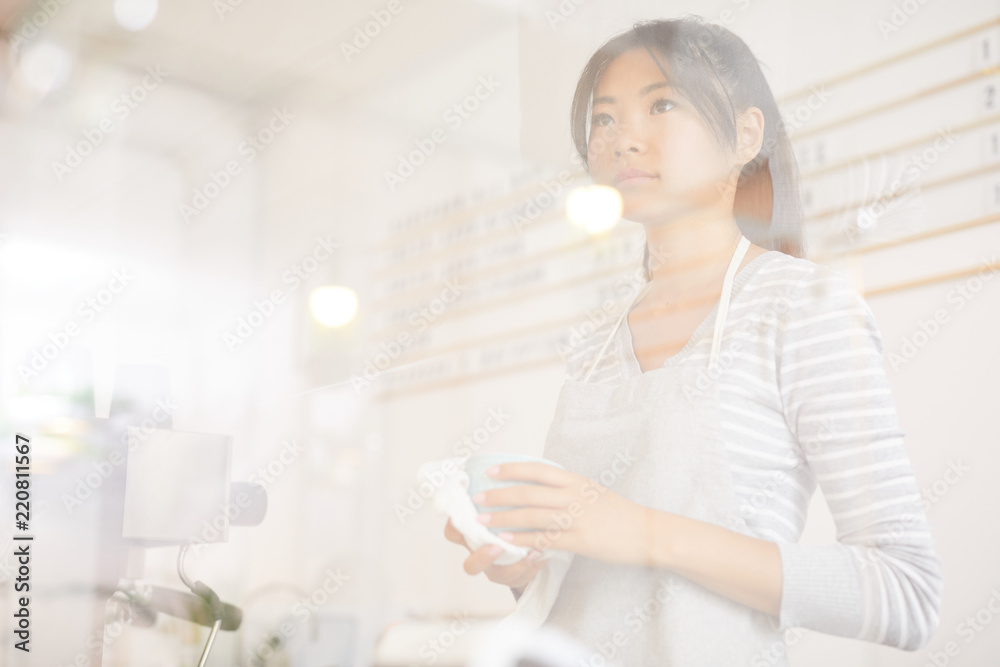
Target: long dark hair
719, 74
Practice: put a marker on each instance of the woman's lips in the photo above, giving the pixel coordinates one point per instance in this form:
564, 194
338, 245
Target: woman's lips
629, 177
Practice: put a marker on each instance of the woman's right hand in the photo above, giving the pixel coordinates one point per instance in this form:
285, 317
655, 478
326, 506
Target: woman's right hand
516, 575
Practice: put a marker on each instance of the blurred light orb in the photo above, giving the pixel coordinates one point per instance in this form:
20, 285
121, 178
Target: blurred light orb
333, 305
135, 15
45, 67
596, 208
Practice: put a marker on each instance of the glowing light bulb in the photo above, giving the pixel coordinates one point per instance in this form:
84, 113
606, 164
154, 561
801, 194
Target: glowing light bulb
333, 305
135, 15
596, 208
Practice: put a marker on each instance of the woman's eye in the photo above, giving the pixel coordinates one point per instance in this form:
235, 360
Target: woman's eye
662, 106
601, 119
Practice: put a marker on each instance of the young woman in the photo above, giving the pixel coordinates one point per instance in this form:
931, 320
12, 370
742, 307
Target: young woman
695, 428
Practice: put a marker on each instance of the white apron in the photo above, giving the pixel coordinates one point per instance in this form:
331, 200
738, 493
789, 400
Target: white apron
633, 615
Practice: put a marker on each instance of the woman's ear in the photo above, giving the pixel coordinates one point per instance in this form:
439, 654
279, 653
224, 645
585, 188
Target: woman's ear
749, 134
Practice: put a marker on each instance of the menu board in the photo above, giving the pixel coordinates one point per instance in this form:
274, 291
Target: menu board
892, 155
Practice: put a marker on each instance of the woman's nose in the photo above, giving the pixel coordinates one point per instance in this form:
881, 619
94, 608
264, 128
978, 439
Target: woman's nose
627, 139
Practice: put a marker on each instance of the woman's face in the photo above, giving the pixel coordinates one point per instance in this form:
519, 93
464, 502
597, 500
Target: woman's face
651, 144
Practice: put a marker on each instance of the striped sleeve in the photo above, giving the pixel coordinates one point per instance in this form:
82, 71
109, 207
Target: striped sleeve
881, 581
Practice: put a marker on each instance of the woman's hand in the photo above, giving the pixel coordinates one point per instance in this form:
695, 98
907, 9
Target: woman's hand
516, 575
569, 512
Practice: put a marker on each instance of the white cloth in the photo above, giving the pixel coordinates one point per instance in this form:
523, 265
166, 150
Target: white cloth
451, 498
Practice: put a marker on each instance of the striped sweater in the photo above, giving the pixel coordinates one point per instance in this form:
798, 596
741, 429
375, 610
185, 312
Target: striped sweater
806, 403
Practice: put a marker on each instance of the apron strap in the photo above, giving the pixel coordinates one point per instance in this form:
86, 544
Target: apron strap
727, 288
639, 295
720, 319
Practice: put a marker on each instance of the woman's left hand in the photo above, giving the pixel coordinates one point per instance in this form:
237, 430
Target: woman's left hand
569, 512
